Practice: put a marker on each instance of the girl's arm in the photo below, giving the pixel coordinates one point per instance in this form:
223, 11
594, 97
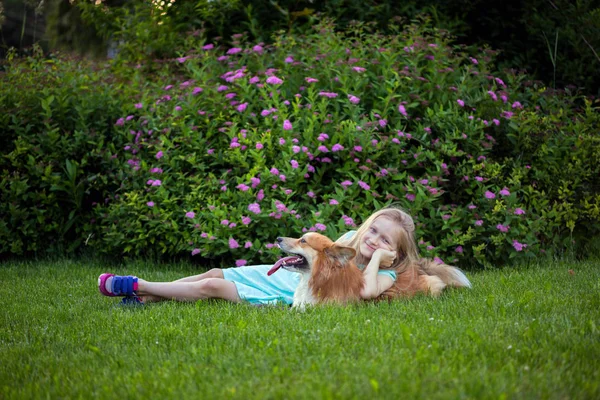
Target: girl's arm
375, 284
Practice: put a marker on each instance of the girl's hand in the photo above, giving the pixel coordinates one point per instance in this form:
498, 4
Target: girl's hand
386, 257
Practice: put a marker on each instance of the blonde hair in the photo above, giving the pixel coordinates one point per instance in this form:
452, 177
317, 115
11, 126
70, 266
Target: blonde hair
408, 252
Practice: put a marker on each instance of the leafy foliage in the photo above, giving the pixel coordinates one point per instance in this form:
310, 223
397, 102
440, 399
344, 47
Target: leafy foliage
229, 146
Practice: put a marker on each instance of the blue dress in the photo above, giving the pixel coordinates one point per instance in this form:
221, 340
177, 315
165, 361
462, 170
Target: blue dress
256, 287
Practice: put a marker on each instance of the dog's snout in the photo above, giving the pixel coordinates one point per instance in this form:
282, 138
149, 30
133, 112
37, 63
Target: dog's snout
279, 239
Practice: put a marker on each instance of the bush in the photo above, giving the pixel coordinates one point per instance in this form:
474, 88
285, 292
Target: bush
228, 147
57, 142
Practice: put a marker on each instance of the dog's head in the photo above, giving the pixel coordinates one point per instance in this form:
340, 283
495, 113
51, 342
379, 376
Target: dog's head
306, 250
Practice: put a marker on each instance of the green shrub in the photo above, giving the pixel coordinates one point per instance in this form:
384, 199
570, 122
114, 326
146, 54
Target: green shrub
57, 141
439, 159
198, 158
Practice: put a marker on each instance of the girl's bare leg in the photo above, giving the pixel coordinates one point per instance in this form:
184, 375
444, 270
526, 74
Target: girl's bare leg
213, 273
208, 288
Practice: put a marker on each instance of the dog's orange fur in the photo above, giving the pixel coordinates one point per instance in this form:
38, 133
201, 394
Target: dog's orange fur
334, 276
424, 276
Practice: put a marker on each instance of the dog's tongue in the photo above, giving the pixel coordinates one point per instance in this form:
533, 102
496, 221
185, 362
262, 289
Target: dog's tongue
280, 262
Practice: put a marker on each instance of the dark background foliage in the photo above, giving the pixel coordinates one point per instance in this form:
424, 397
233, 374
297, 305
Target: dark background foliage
556, 41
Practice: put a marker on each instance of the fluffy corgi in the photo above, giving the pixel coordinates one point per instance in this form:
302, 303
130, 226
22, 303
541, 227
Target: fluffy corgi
327, 270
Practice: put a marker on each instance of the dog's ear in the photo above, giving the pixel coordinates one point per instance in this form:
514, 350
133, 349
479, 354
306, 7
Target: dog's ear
341, 253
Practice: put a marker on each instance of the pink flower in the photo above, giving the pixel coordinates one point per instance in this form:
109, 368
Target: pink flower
208, 47
402, 110
234, 50
489, 195
337, 147
516, 104
518, 246
150, 204
242, 107
504, 192
190, 214
459, 249
333, 202
255, 208
260, 196
359, 69
240, 263
323, 149
364, 185
353, 99
257, 49
311, 195
460, 102
247, 245
320, 226
492, 95
243, 187
259, 146
159, 155
294, 163
197, 90
195, 251
233, 244
345, 184
273, 80
225, 222
330, 95
281, 141
348, 221
410, 197
274, 171
502, 228
519, 211
311, 80
138, 105
287, 125
479, 222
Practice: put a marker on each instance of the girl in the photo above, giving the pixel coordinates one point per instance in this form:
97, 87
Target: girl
383, 243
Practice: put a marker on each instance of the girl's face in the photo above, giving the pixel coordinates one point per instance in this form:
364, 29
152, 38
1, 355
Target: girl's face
382, 234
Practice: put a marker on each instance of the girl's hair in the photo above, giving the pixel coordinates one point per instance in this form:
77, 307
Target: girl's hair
408, 252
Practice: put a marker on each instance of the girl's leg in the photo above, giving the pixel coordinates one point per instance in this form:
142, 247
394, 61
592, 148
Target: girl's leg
213, 273
208, 288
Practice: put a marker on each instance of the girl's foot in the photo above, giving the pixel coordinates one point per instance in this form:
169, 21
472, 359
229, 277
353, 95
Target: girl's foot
115, 285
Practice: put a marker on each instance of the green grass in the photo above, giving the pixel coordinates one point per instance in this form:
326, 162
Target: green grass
531, 332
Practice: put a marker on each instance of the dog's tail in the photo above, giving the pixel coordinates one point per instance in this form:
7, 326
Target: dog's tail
451, 276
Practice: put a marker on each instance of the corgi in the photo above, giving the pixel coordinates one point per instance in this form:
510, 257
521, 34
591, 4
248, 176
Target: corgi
327, 271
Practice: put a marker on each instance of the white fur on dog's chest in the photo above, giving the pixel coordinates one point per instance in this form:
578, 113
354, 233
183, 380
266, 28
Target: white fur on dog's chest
303, 294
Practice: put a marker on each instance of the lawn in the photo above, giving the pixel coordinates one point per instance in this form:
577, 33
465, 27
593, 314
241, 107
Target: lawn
527, 332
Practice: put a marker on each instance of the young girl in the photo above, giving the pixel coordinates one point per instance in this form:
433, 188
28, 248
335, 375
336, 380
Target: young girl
383, 243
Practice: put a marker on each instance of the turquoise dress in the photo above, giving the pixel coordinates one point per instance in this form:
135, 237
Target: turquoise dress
256, 287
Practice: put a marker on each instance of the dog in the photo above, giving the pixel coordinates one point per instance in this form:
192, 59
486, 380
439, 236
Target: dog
330, 275
425, 276
327, 271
